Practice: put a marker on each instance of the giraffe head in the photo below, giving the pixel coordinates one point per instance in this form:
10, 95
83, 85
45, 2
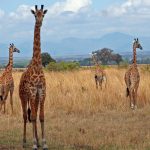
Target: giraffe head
136, 44
12, 48
39, 14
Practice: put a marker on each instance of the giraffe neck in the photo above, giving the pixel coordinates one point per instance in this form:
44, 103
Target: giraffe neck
37, 45
134, 55
10, 63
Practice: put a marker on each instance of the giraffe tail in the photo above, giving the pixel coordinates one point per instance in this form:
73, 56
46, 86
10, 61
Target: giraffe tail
1, 98
127, 92
29, 113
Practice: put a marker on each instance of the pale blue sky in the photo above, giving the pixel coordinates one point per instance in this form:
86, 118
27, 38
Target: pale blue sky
74, 18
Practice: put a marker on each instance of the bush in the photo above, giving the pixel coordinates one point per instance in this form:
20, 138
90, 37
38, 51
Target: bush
63, 66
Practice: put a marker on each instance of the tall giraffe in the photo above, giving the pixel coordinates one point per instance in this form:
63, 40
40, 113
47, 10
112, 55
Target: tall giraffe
6, 80
32, 88
100, 75
132, 77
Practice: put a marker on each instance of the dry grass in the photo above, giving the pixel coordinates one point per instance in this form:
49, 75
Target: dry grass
79, 117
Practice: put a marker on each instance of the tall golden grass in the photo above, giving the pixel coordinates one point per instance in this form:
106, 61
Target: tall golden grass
78, 116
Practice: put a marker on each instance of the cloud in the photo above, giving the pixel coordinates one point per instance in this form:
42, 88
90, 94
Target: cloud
2, 13
77, 18
69, 6
63, 7
21, 13
129, 7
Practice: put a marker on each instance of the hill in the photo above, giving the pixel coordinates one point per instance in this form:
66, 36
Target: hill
119, 42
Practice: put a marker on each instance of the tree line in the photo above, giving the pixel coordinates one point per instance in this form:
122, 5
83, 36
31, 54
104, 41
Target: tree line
104, 56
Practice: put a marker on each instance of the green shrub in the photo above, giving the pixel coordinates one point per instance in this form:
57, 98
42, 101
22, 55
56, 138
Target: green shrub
62, 66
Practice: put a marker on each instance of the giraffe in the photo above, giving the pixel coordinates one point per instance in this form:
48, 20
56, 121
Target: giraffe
6, 80
32, 88
132, 77
100, 75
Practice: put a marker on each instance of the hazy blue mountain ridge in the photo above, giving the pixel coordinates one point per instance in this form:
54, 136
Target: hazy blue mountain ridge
119, 42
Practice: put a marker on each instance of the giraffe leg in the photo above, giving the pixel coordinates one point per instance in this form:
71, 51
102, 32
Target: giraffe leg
11, 98
96, 82
24, 107
1, 107
41, 117
135, 99
6, 91
100, 83
24, 131
33, 96
132, 99
4, 107
36, 134
33, 119
44, 145
105, 79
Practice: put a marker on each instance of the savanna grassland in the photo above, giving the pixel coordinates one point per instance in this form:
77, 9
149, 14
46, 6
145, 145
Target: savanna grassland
80, 117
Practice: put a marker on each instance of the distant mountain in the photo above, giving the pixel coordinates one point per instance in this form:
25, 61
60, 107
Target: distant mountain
119, 42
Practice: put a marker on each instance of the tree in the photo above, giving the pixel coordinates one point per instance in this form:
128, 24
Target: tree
63, 66
104, 55
46, 59
117, 58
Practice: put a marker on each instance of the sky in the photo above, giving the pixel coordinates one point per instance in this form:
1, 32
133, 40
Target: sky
74, 18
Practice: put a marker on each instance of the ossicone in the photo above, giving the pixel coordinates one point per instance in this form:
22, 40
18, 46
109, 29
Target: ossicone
42, 6
36, 7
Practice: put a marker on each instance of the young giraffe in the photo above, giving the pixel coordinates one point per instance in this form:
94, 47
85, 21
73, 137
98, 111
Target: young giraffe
32, 88
100, 75
6, 80
132, 77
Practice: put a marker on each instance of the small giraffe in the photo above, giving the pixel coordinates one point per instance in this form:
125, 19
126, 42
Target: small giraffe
100, 75
32, 88
132, 77
6, 80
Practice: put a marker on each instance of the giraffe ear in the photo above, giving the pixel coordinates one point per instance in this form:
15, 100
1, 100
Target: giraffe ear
45, 11
33, 12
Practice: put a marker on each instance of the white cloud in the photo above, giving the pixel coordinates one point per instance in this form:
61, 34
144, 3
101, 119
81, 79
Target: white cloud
73, 18
69, 6
2, 13
128, 7
22, 13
